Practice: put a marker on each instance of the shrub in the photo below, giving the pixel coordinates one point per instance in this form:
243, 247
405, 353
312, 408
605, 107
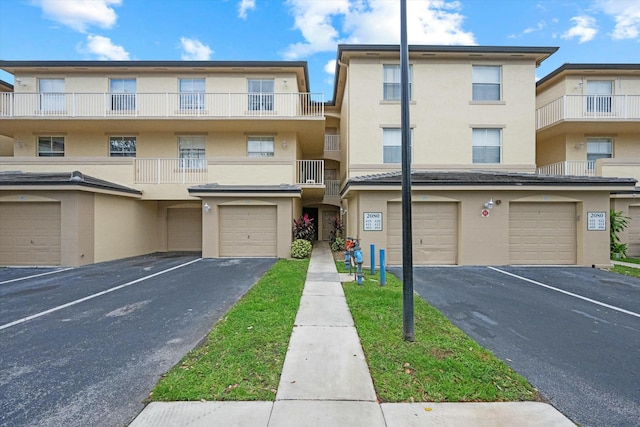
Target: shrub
617, 223
301, 248
337, 244
303, 228
336, 228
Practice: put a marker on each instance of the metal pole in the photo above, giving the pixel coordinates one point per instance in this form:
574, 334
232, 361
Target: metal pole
372, 252
407, 240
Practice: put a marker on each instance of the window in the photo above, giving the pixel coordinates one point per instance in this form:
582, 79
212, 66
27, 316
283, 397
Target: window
486, 83
123, 94
599, 96
599, 148
392, 145
260, 146
191, 94
191, 152
391, 82
122, 146
486, 145
261, 95
51, 95
51, 146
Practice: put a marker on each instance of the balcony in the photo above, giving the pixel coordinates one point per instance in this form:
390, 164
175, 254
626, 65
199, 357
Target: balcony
161, 105
615, 168
332, 143
569, 168
310, 173
171, 171
589, 108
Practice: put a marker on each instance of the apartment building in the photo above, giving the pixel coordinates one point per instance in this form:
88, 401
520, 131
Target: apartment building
588, 124
102, 160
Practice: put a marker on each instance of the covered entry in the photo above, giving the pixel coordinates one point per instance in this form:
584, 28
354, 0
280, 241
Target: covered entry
542, 233
435, 233
30, 233
184, 229
248, 231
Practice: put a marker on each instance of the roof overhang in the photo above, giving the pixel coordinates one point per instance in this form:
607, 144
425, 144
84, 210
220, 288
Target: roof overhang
217, 190
595, 70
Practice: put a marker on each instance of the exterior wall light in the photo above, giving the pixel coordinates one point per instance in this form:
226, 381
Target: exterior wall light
489, 204
206, 207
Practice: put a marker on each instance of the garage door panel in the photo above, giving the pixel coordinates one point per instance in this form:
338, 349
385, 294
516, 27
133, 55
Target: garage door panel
542, 233
30, 233
248, 231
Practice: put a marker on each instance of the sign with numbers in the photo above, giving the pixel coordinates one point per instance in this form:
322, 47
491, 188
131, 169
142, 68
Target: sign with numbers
373, 221
597, 221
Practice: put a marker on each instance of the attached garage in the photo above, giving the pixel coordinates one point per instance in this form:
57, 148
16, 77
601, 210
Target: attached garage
248, 231
30, 233
435, 233
542, 233
184, 229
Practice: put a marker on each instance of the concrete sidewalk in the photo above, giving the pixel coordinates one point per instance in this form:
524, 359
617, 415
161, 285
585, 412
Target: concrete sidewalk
326, 382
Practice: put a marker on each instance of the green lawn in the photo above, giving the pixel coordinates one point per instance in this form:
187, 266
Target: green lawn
627, 271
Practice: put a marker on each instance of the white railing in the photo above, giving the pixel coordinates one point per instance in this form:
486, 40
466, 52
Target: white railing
172, 105
332, 188
310, 172
170, 171
589, 107
569, 167
332, 143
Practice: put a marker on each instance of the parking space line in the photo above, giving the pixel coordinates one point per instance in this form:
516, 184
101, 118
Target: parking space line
34, 275
612, 307
78, 301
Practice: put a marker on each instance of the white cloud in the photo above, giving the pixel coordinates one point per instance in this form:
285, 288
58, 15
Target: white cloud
538, 27
244, 6
374, 22
104, 48
330, 67
195, 50
626, 13
80, 14
584, 29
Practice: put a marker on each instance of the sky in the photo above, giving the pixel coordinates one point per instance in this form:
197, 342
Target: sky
586, 31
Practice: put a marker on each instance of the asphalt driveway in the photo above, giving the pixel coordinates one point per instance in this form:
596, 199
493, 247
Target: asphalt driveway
574, 333
85, 346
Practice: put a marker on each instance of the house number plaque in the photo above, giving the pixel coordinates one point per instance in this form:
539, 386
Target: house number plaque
372, 221
596, 221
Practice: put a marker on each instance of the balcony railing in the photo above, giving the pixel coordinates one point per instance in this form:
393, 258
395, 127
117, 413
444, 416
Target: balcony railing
333, 188
161, 105
589, 107
171, 171
332, 143
569, 167
310, 172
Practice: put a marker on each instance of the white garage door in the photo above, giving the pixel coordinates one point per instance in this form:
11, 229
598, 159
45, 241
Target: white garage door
435, 233
184, 229
248, 231
30, 233
633, 247
542, 233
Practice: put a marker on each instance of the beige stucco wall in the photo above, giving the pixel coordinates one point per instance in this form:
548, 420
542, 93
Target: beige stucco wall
485, 241
124, 227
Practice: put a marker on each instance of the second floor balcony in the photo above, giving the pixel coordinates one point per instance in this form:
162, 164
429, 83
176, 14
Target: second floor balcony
607, 167
589, 108
161, 105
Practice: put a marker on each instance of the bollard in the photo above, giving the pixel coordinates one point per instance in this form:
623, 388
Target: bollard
357, 254
373, 259
347, 261
383, 268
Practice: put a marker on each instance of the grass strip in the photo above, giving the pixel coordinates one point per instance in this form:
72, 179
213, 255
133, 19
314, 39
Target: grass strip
442, 365
242, 357
627, 271
629, 260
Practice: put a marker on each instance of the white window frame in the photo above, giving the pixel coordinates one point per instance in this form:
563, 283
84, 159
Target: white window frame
123, 94
55, 146
485, 139
261, 94
192, 93
392, 142
391, 82
600, 96
122, 146
484, 78
192, 152
599, 148
260, 146
52, 95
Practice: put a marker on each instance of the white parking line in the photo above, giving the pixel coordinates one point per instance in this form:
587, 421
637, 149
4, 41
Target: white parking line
621, 310
78, 301
35, 275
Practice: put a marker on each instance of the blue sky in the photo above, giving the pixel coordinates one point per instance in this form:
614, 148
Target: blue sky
587, 31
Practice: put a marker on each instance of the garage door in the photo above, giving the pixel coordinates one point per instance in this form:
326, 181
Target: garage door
435, 233
30, 233
248, 231
184, 229
633, 247
542, 233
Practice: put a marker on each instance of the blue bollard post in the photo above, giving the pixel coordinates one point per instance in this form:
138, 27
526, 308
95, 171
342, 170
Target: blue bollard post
357, 254
373, 259
383, 268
